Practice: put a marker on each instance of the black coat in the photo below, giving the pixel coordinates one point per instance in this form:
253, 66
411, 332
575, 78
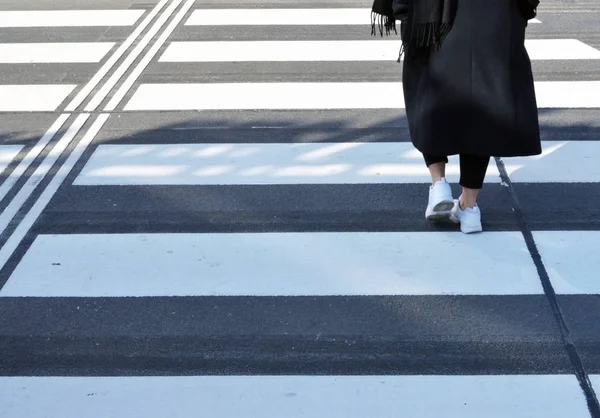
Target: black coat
475, 95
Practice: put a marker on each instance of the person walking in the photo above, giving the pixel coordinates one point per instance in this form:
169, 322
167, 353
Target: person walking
468, 90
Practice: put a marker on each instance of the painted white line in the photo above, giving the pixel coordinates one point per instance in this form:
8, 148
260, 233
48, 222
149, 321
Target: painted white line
300, 16
118, 96
54, 52
267, 96
29, 219
19, 93
578, 162
595, 379
568, 94
116, 56
324, 95
31, 156
571, 259
33, 97
334, 16
217, 164
373, 50
274, 264
262, 51
7, 155
118, 73
42, 170
560, 49
68, 18
493, 396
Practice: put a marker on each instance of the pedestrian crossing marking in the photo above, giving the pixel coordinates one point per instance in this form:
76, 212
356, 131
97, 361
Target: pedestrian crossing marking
33, 97
68, 18
309, 264
568, 94
560, 49
274, 264
8, 154
355, 50
54, 52
571, 259
583, 167
373, 396
314, 163
595, 379
264, 17
324, 95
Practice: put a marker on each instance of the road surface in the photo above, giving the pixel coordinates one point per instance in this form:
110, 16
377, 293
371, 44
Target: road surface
214, 207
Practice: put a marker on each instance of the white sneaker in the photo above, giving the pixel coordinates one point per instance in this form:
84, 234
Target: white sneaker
469, 219
440, 202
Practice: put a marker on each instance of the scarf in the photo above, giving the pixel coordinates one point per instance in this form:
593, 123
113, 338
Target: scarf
428, 22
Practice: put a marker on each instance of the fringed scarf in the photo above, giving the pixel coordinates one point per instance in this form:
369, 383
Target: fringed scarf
427, 25
428, 22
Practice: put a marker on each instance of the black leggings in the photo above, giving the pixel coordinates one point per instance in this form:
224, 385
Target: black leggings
472, 168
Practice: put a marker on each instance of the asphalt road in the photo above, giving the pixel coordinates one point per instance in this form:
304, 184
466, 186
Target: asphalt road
194, 224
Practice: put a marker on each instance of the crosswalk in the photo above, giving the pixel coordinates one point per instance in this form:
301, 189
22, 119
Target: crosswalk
212, 223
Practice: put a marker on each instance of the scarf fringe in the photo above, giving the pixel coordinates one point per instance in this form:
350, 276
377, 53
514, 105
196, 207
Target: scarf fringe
426, 37
383, 22
431, 34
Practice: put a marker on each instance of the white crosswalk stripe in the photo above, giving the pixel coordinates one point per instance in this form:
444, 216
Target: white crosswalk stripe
373, 50
316, 264
54, 52
68, 18
324, 95
276, 396
341, 163
235, 246
292, 16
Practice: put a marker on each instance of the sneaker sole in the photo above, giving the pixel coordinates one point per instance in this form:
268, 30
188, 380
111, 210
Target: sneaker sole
444, 206
441, 211
438, 217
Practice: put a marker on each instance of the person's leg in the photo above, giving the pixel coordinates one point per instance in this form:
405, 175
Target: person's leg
440, 201
436, 166
472, 174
